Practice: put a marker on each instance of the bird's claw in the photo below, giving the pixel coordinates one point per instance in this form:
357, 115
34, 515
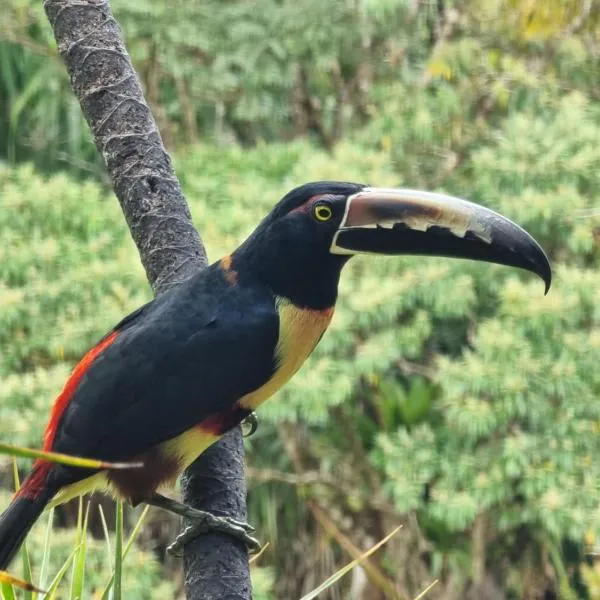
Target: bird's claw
205, 523
251, 422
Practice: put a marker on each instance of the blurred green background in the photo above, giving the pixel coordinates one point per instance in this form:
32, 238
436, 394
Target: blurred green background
450, 396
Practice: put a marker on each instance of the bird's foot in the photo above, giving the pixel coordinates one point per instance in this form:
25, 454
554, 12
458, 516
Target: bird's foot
205, 522
250, 425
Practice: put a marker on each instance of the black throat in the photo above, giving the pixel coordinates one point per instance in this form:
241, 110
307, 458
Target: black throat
308, 279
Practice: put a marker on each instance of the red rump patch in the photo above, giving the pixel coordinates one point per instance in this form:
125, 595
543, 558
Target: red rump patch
36, 481
63, 398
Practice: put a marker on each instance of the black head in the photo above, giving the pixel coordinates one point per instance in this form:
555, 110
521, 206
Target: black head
300, 248
290, 247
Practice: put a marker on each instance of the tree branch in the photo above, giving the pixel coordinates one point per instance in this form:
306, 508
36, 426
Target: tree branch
107, 87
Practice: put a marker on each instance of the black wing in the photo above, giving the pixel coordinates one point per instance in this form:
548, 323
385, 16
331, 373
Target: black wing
191, 353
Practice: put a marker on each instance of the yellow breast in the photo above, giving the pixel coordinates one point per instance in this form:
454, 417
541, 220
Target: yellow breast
300, 330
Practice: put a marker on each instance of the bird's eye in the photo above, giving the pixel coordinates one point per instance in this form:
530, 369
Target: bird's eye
322, 212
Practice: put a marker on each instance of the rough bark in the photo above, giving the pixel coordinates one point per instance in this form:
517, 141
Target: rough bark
108, 89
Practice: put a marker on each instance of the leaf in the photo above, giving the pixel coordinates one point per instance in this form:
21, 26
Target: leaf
346, 569
65, 459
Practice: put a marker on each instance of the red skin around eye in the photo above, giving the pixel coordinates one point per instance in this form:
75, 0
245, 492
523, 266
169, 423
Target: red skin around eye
307, 205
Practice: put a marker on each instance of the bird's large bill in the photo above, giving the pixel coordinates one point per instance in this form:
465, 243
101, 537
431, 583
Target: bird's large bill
404, 221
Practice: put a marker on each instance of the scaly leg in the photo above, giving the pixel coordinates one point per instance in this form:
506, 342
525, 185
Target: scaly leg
203, 522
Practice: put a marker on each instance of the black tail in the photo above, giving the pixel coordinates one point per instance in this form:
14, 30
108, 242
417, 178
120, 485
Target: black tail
17, 520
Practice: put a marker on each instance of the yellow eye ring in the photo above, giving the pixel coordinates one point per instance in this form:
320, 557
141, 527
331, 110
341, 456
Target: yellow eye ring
323, 212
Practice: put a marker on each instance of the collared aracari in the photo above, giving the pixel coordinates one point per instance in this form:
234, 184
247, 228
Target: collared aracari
176, 374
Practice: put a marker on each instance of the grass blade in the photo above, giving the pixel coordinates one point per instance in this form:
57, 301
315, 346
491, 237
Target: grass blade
35, 84
116, 593
46, 554
24, 552
8, 592
109, 552
10, 581
429, 587
77, 577
65, 459
347, 568
51, 593
260, 553
16, 480
374, 574
27, 573
134, 534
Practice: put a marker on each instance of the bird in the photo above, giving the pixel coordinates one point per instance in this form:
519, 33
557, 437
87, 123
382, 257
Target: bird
179, 372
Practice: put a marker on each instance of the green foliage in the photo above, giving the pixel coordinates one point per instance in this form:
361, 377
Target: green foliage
63, 286
507, 424
247, 71
251, 71
450, 392
262, 583
39, 116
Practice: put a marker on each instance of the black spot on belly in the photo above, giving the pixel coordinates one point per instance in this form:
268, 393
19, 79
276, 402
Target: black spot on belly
137, 485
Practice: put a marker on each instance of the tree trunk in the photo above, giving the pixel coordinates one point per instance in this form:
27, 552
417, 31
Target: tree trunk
125, 133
